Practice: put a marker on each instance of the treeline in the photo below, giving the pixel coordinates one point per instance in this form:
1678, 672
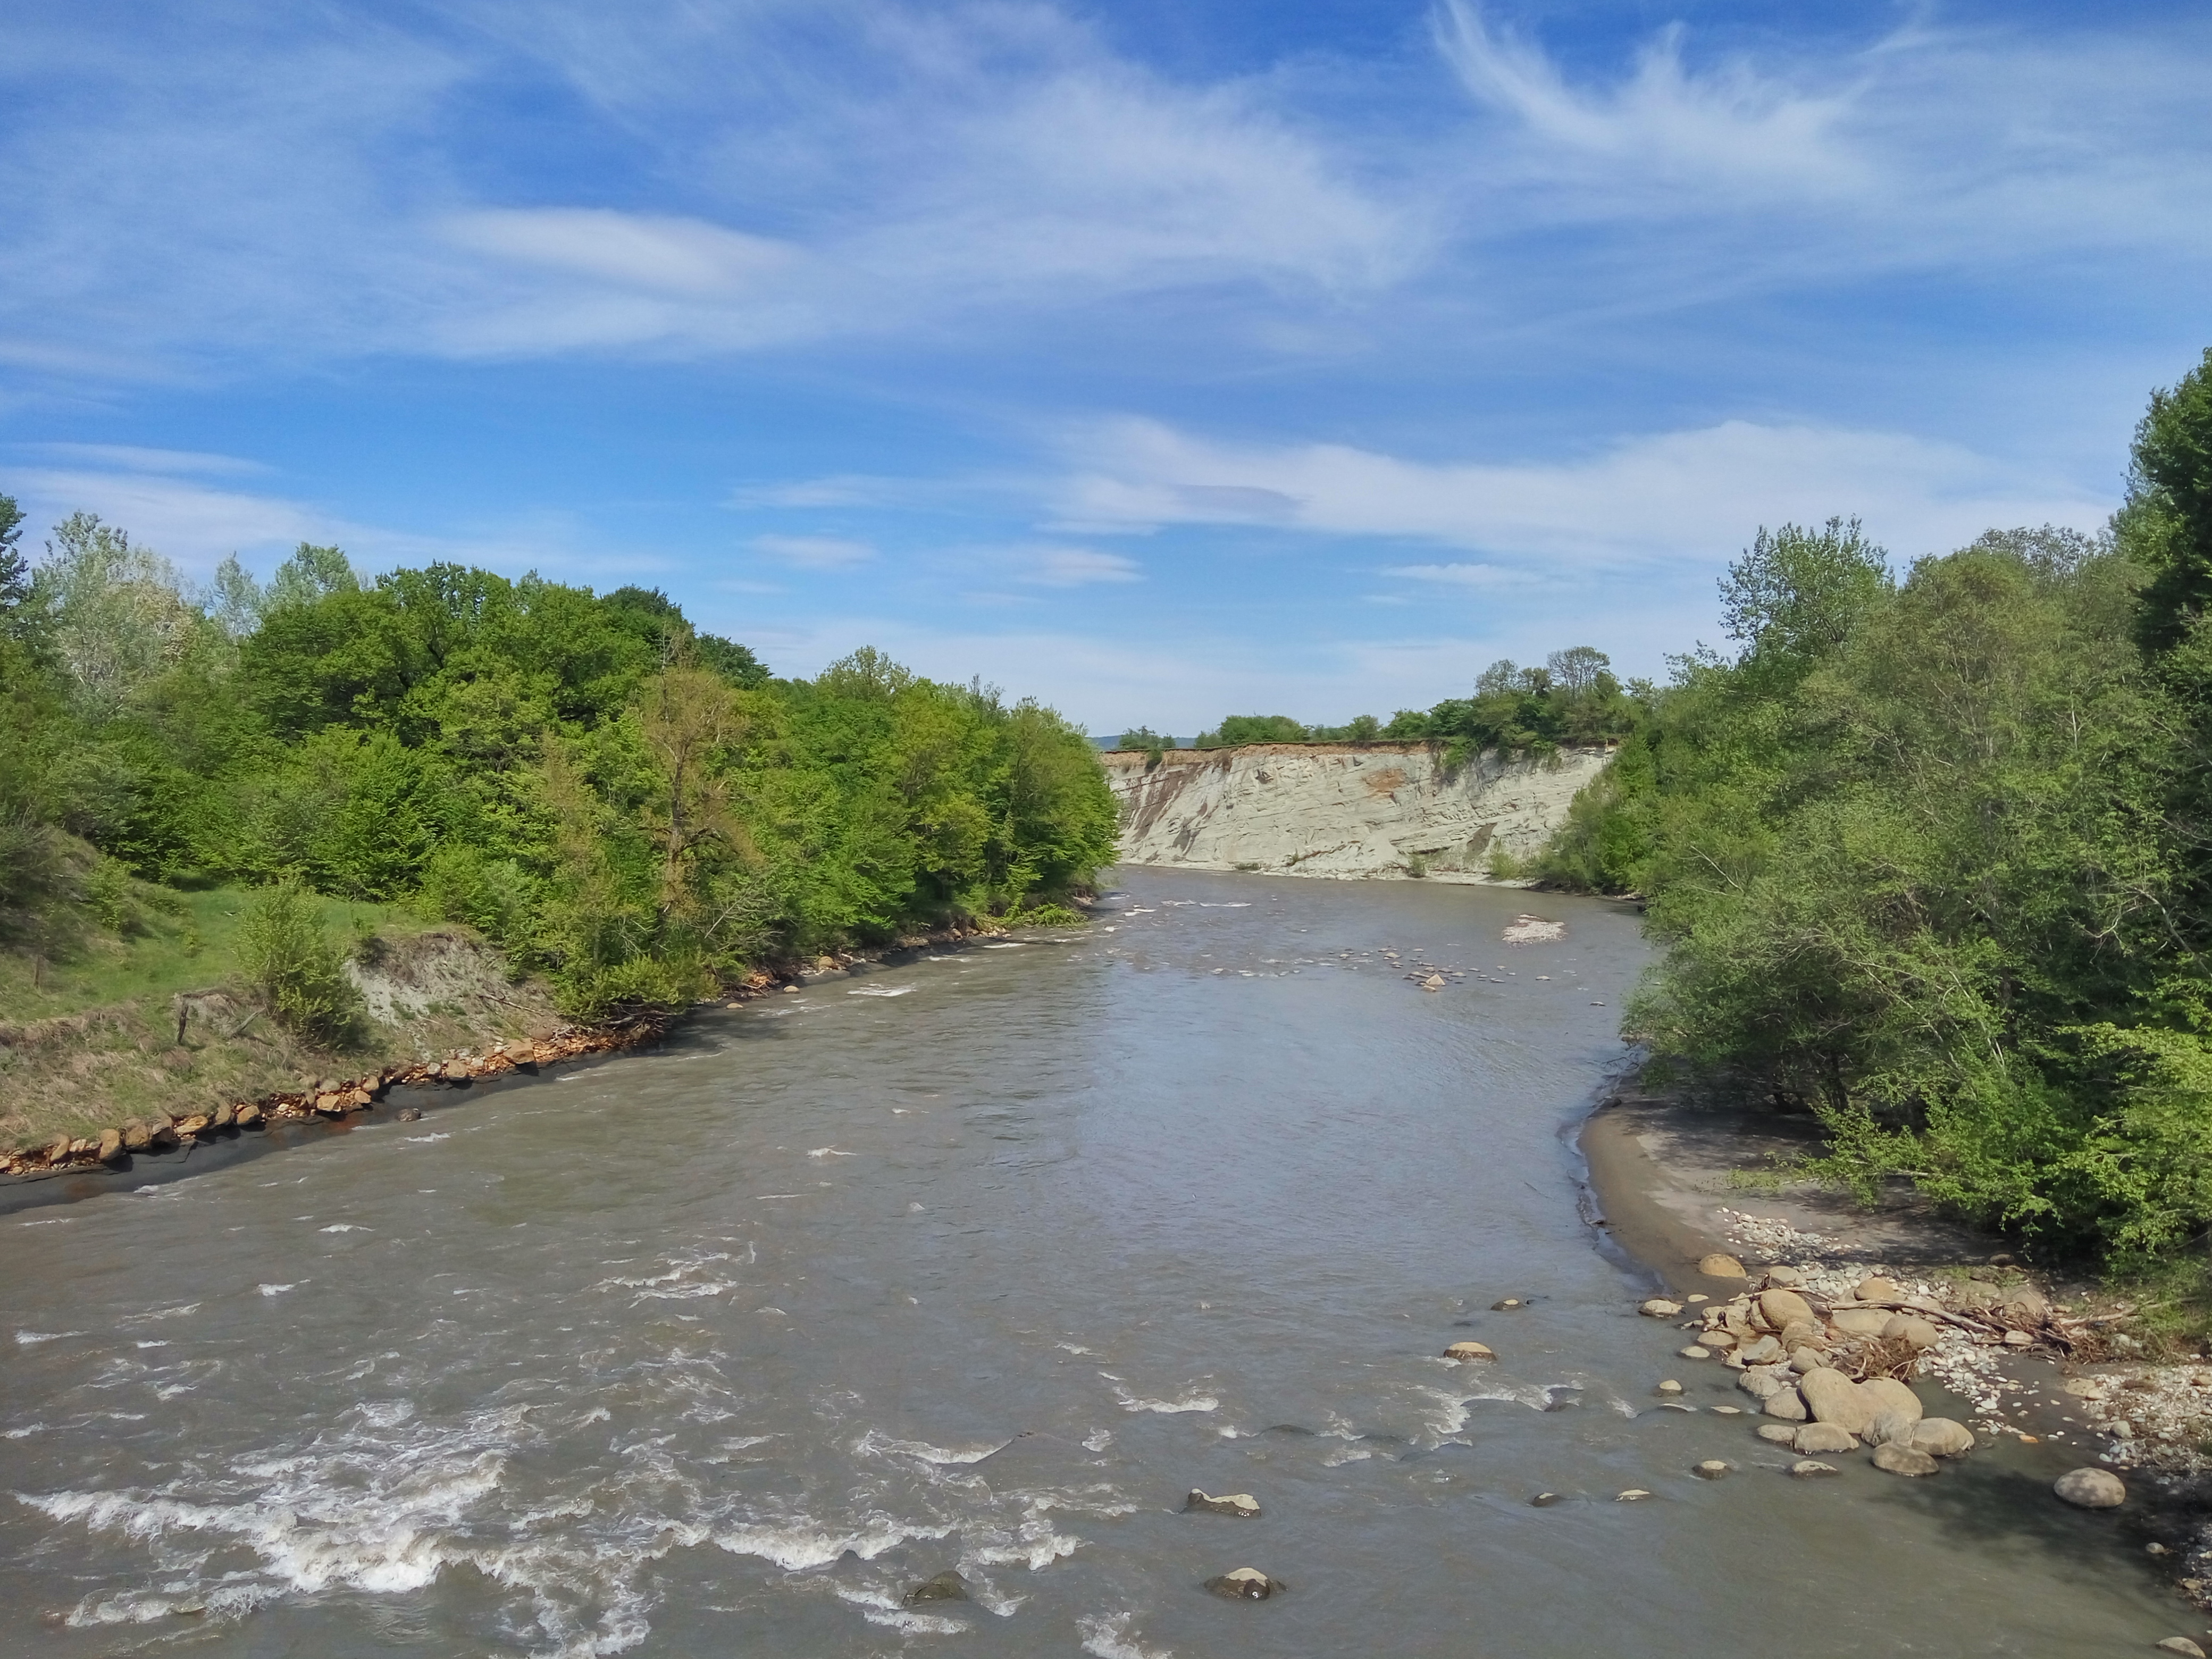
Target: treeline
1573, 699
631, 806
1931, 856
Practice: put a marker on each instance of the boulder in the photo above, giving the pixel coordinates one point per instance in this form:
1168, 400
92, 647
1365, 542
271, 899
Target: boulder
1887, 1394
199, 1124
1786, 1278
1713, 1469
1779, 1434
1939, 1436
947, 1586
221, 1116
2091, 1489
1761, 1382
1240, 1504
1544, 1500
1903, 1460
1469, 1351
1695, 1351
1787, 1404
1975, 1294
1719, 1337
1916, 1333
2180, 1644
1246, 1584
456, 1070
1660, 1307
1832, 1397
1806, 1469
136, 1137
1765, 1352
1798, 1334
59, 1151
2024, 1309
1890, 1428
1860, 1321
409, 1115
246, 1116
1824, 1438
1783, 1309
1807, 1358
161, 1133
1878, 1289
1433, 983
1720, 1265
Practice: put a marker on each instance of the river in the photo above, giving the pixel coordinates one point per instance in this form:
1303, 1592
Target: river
979, 1262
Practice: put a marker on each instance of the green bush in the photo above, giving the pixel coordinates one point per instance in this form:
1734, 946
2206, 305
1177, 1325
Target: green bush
295, 967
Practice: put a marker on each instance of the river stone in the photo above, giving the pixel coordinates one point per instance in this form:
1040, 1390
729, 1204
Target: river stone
111, 1145
1903, 1460
136, 1137
1713, 1469
1726, 1411
1832, 1397
1508, 1302
1878, 1289
1544, 1500
1785, 1403
1824, 1438
1632, 1495
247, 1115
1806, 1469
1779, 1434
1860, 1321
1783, 1309
1939, 1436
1786, 1278
1887, 1394
1761, 1383
1719, 1336
1975, 1294
409, 1114
1721, 1266
1797, 1334
1807, 1358
2180, 1644
947, 1586
162, 1133
2024, 1309
1433, 983
2022, 1340
1918, 1334
1660, 1307
1240, 1504
1765, 1352
1890, 1428
1246, 1584
2091, 1489
222, 1115
1695, 1351
1469, 1351
2085, 1387
1670, 1386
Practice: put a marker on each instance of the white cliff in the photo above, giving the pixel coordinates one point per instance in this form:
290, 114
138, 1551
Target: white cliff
1332, 809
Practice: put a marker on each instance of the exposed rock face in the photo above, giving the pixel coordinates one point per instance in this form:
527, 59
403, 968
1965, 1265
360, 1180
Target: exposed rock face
1325, 810
945, 1587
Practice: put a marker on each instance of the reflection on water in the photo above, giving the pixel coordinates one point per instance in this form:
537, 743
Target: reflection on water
981, 1262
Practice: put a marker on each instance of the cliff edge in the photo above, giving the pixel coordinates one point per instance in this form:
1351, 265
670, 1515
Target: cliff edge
1341, 809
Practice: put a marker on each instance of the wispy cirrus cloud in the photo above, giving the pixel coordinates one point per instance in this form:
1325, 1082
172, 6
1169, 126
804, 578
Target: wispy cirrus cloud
815, 552
1080, 567
1674, 495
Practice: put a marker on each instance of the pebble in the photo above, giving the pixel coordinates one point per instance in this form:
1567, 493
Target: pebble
1670, 1386
1712, 1469
1806, 1469
1695, 1351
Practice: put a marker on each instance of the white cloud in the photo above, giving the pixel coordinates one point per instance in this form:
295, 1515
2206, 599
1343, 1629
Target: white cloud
1461, 575
815, 552
135, 458
1691, 495
1080, 567
647, 251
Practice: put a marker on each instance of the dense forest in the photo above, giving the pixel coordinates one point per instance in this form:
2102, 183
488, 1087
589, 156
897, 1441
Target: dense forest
628, 806
1932, 857
1572, 699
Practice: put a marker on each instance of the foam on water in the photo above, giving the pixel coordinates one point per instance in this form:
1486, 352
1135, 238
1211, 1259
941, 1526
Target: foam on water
1107, 1635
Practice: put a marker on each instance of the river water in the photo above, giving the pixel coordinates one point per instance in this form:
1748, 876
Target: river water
978, 1263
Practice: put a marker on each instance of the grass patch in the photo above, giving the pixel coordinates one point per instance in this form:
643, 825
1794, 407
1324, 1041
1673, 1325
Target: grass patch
189, 945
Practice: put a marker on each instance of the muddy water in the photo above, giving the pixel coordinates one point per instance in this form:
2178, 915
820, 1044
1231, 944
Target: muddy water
977, 1262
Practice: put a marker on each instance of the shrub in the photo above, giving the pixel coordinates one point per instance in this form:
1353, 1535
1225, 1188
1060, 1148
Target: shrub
295, 968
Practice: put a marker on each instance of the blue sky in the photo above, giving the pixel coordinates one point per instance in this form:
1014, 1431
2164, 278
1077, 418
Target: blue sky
1160, 360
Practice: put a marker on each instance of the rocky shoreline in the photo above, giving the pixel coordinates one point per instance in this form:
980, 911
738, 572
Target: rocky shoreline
334, 1099
1898, 1294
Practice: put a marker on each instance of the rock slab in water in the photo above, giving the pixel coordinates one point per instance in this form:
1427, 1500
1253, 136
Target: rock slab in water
1469, 1351
2180, 1644
1781, 1434
1246, 1584
1718, 1266
2091, 1489
1242, 1505
947, 1586
1713, 1469
1659, 1307
1807, 1468
1903, 1460
1824, 1438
